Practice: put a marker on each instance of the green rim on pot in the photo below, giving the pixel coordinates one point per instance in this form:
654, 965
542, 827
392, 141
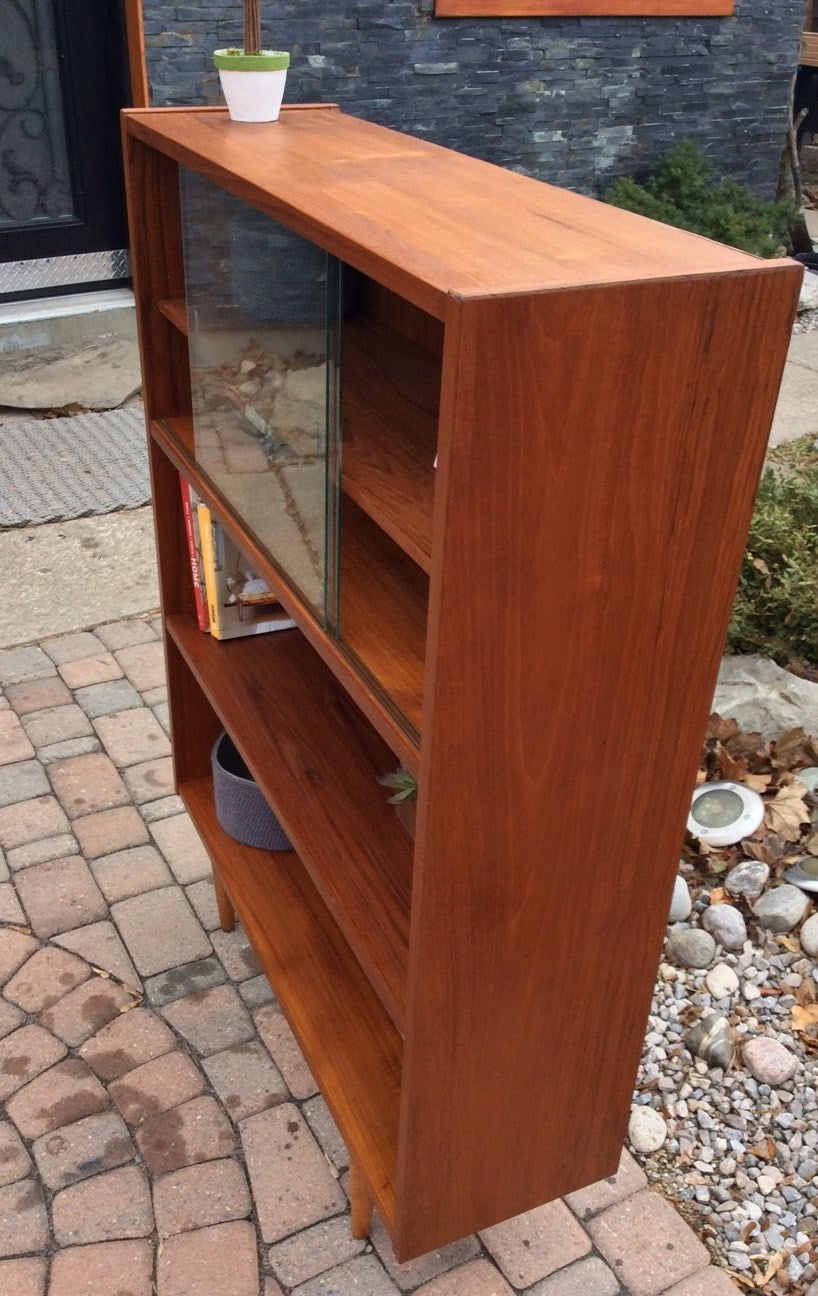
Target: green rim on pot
229, 60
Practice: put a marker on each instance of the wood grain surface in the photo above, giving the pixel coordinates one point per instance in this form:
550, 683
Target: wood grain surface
350, 1044
391, 402
175, 436
317, 762
600, 453
423, 221
583, 8
383, 603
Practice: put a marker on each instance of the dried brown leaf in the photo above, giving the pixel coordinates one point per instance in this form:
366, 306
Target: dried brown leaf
805, 1019
721, 729
757, 850
732, 769
758, 782
786, 812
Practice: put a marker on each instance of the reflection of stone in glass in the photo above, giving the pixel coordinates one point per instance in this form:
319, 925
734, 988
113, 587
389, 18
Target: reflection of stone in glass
717, 809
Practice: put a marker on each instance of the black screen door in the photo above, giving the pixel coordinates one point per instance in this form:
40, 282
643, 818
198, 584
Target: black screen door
63, 79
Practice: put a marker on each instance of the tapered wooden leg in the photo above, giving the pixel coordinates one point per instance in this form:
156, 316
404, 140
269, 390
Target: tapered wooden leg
227, 914
360, 1201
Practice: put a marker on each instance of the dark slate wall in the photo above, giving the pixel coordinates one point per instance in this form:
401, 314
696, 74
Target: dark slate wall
576, 101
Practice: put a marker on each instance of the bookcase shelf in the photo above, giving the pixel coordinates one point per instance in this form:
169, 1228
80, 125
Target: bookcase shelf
391, 400
175, 311
350, 1044
317, 761
391, 693
552, 586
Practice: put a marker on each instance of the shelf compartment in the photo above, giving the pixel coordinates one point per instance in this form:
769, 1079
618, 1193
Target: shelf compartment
175, 310
391, 403
384, 598
317, 761
349, 1042
175, 437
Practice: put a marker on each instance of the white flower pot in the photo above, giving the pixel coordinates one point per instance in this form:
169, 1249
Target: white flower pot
252, 84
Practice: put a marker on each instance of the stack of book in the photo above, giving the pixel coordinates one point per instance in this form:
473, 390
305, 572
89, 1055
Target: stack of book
230, 597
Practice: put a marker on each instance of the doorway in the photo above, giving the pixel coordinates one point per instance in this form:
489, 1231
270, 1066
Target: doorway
63, 79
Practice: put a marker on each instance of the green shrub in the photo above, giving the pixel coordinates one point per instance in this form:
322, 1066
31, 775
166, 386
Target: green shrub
776, 608
683, 193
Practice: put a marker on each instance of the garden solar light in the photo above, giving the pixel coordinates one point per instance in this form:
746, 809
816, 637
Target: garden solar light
722, 813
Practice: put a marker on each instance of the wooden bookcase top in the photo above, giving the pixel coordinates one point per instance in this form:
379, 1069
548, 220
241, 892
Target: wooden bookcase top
425, 221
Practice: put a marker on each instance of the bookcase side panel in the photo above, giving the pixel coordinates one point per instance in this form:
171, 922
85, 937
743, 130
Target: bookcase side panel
152, 191
599, 457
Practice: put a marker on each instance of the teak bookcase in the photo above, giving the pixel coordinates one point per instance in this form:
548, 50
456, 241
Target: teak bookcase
534, 629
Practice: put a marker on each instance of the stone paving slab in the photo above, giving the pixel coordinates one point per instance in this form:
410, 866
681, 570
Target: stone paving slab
161, 1133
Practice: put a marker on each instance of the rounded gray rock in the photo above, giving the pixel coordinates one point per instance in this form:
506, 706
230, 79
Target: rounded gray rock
690, 947
721, 981
782, 908
647, 1130
726, 924
808, 936
681, 904
747, 879
769, 1061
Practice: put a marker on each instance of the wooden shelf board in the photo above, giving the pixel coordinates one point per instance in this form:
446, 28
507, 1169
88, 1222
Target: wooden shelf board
175, 436
383, 606
391, 400
317, 761
175, 310
349, 1042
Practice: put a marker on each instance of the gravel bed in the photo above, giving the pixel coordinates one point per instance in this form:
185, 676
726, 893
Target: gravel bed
807, 322
738, 1155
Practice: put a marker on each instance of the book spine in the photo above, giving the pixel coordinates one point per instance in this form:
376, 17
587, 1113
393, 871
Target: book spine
209, 565
198, 597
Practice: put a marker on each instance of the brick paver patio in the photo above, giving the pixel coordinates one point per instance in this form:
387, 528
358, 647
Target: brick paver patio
161, 1131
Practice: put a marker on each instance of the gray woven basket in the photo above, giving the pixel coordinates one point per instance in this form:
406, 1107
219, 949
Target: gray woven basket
240, 807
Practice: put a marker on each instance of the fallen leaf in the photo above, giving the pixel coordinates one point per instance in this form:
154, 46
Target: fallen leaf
804, 1019
789, 943
721, 729
731, 769
786, 812
758, 782
717, 895
774, 1264
757, 850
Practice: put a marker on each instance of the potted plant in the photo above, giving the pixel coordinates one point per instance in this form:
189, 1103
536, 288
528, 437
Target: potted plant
404, 798
252, 79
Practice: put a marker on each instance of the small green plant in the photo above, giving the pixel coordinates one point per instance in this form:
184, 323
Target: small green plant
776, 609
683, 193
404, 785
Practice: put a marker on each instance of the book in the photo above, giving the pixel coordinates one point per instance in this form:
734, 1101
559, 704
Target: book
238, 601
189, 504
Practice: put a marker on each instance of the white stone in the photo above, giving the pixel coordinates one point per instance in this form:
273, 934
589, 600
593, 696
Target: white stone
647, 1130
782, 908
765, 698
769, 1061
726, 924
721, 981
808, 936
808, 296
681, 904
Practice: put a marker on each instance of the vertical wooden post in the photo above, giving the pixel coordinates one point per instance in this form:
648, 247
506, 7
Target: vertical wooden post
227, 914
360, 1201
135, 38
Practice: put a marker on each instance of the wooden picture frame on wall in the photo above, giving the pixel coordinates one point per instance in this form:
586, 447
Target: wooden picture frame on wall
583, 8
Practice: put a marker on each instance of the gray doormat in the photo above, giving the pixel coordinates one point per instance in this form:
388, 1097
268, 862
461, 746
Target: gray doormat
55, 469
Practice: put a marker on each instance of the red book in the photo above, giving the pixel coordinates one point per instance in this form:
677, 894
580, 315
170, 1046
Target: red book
202, 618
